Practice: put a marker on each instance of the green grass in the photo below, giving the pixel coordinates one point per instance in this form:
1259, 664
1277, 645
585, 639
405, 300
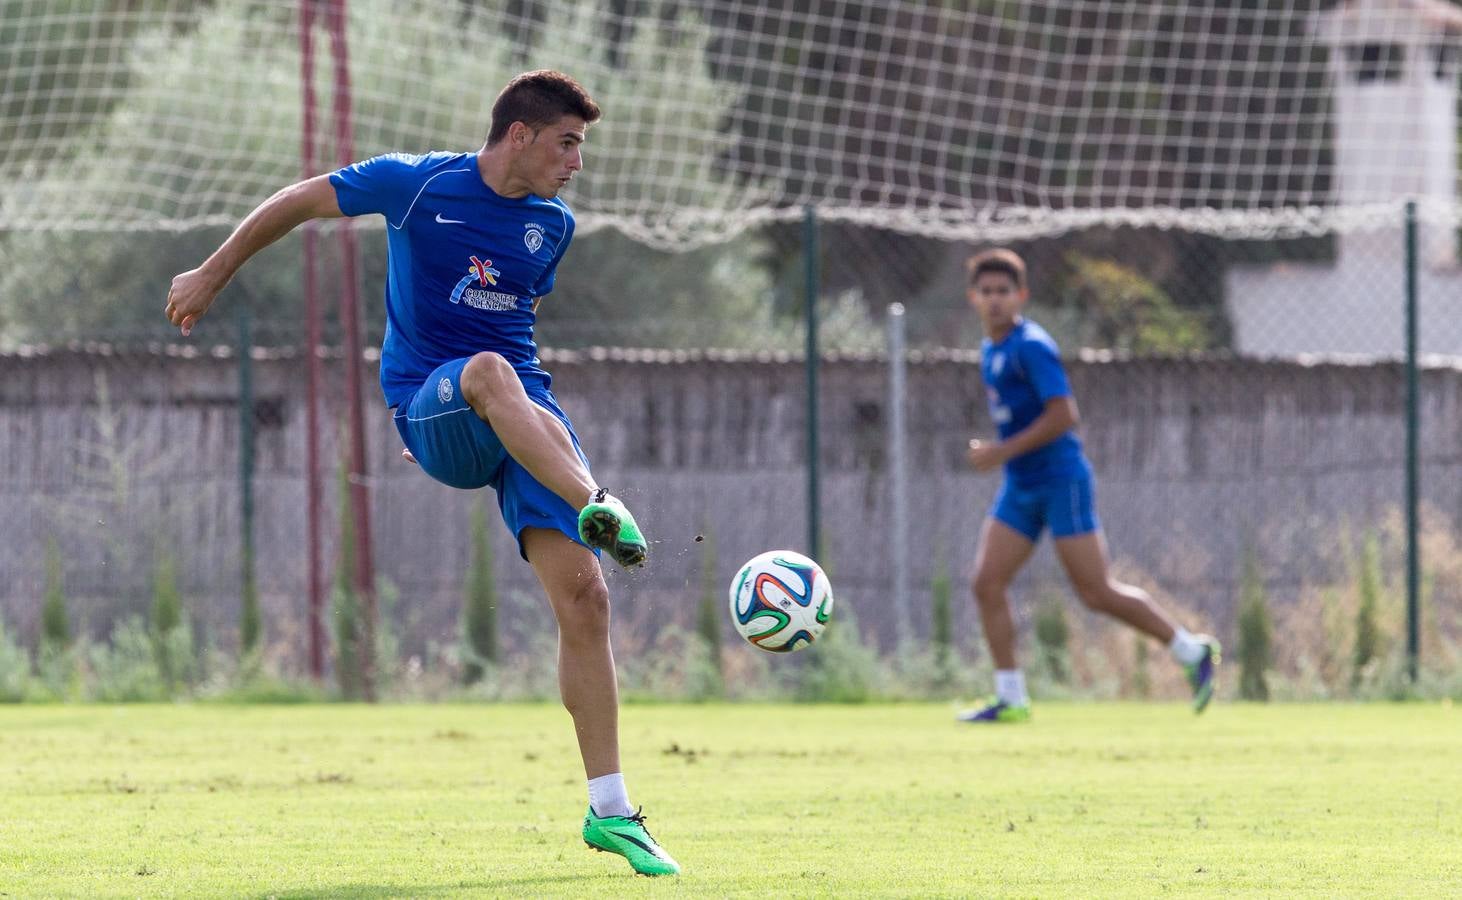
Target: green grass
423, 801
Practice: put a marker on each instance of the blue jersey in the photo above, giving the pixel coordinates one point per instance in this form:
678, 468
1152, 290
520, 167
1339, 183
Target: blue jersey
1022, 372
466, 264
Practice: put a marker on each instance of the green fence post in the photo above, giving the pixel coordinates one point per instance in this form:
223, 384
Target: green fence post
1413, 462
249, 622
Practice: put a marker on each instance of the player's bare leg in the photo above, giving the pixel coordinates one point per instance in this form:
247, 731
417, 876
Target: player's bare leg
1085, 559
541, 444
571, 576
586, 680
1003, 552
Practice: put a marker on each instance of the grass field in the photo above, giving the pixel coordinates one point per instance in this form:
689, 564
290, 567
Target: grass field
424, 801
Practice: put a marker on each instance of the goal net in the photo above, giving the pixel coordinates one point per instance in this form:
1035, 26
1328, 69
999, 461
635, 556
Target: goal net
988, 120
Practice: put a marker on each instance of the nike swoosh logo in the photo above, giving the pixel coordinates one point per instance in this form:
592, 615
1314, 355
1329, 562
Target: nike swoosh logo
441, 221
631, 838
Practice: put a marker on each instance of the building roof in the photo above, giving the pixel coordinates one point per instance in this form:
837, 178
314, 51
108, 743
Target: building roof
1375, 19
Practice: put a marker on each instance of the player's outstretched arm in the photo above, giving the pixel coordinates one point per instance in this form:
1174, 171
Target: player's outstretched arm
194, 291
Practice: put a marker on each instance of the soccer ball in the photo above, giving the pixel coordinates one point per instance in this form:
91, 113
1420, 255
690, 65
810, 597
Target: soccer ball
780, 601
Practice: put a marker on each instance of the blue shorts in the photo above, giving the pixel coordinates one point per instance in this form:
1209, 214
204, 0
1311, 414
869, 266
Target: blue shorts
1066, 505
456, 447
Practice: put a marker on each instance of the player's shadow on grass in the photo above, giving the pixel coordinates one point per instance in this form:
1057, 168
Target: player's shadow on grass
518, 886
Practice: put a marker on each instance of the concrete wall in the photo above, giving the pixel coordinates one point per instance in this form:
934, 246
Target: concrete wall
116, 455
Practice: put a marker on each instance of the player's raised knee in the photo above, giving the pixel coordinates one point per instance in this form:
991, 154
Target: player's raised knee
485, 379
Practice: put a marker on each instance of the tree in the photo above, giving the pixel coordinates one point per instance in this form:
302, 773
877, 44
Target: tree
55, 623
171, 645
350, 642
479, 612
1256, 631
1367, 631
1053, 636
941, 621
1109, 304
710, 608
188, 149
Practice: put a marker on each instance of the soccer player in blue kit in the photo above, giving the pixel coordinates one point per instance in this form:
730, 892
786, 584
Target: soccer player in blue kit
473, 242
1048, 484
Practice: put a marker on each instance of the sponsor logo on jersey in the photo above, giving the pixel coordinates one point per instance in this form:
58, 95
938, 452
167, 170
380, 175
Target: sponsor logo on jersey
471, 289
999, 412
484, 271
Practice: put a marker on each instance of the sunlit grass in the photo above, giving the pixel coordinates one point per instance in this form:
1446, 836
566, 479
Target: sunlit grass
1115, 800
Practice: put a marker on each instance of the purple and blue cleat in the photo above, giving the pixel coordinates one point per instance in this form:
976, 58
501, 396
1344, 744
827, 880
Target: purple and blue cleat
997, 711
1203, 674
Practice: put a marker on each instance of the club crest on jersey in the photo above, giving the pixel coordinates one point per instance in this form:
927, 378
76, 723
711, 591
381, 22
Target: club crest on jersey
444, 390
533, 237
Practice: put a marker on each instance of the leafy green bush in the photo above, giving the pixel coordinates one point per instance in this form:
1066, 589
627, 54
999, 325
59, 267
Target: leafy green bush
125, 669
14, 668
840, 668
676, 666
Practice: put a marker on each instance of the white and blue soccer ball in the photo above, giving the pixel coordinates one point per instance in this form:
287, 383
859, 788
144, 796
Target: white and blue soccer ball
780, 601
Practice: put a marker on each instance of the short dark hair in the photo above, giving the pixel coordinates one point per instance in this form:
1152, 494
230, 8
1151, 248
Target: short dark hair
1006, 262
537, 99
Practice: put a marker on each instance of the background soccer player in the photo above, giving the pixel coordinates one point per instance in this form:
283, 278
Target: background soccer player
1048, 484
473, 241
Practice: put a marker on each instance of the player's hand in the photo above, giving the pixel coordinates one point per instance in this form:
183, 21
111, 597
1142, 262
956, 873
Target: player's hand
984, 457
406, 455
189, 297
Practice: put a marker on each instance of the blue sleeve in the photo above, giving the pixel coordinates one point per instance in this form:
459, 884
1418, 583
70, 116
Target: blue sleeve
383, 184
1042, 365
545, 281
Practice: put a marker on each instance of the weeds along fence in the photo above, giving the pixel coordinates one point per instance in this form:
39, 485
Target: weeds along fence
126, 459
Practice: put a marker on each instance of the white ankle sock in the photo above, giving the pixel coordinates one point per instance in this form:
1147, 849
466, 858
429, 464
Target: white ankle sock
1186, 648
1010, 687
608, 797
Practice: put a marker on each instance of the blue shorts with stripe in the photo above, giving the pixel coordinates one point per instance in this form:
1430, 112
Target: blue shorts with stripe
1065, 505
456, 447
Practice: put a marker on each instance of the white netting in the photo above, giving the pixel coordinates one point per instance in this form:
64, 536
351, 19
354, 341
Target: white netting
993, 120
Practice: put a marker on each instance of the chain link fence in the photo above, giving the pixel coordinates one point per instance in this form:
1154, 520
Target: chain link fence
1243, 404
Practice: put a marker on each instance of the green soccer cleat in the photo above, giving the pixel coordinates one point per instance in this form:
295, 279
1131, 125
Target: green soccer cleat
1203, 674
626, 835
606, 524
997, 711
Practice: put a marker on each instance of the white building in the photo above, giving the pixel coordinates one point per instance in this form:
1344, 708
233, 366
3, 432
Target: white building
1394, 68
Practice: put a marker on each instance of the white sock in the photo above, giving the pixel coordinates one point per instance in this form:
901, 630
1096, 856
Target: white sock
1010, 687
608, 797
1186, 648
